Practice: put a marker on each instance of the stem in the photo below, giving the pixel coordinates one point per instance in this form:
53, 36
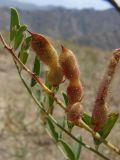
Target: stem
48, 91
37, 79
58, 125
97, 136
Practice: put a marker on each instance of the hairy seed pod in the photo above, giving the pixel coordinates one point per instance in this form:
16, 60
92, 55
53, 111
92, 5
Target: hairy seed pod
48, 55
70, 69
100, 112
99, 117
44, 49
74, 92
69, 64
55, 76
75, 112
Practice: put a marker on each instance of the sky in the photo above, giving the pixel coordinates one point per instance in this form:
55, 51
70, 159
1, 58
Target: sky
79, 4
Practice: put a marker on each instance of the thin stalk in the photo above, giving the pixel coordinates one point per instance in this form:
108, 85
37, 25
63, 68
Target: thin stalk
48, 91
37, 79
58, 125
97, 136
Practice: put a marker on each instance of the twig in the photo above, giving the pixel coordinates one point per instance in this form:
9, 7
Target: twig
97, 136
48, 91
114, 4
58, 125
37, 79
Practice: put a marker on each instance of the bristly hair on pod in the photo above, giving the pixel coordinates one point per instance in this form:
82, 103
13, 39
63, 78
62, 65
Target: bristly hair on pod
48, 55
75, 112
100, 111
71, 71
69, 64
43, 48
74, 92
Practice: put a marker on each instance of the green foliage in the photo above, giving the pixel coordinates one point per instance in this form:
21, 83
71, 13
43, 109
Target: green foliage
52, 130
21, 41
107, 127
77, 148
63, 124
23, 54
36, 70
87, 119
19, 36
26, 43
14, 23
65, 98
67, 150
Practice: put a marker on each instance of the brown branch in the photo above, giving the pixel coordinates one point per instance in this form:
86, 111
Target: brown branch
114, 4
48, 91
37, 79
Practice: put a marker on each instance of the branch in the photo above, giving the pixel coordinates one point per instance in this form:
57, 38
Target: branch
58, 125
114, 4
37, 79
48, 91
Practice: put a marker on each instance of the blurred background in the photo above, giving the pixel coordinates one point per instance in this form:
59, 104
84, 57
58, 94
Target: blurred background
90, 28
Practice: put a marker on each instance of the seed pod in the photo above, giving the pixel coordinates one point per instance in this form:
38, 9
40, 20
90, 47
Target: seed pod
99, 117
75, 112
70, 69
100, 112
44, 49
48, 55
55, 76
74, 92
69, 64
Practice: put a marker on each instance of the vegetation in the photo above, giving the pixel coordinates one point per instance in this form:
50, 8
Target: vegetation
20, 42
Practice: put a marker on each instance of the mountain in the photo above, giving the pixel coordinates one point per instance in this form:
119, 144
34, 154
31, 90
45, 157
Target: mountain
17, 4
85, 27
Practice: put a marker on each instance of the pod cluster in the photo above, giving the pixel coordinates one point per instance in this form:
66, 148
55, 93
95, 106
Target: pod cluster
71, 71
66, 65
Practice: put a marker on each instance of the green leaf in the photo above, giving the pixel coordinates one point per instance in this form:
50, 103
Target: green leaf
26, 43
107, 127
38, 94
62, 123
19, 36
23, 56
87, 119
50, 100
14, 23
77, 149
65, 98
47, 83
70, 125
67, 150
53, 132
36, 70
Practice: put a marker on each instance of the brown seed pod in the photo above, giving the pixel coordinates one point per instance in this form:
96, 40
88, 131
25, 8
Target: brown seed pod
69, 64
48, 55
55, 76
43, 48
100, 112
99, 117
75, 112
74, 92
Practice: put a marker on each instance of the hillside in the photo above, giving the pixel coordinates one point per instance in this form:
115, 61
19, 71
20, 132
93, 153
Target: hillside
18, 4
84, 27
